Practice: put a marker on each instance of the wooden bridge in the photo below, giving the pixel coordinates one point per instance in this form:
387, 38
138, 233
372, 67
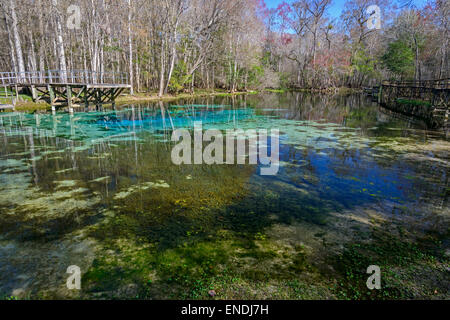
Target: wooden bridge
427, 100
71, 88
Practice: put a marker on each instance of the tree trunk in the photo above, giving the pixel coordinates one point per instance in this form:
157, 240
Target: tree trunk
12, 49
60, 43
32, 55
163, 69
416, 71
174, 53
17, 42
41, 44
130, 48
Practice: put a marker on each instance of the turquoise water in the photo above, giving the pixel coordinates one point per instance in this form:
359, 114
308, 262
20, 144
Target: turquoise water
99, 190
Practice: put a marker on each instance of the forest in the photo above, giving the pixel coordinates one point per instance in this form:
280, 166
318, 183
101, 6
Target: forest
170, 47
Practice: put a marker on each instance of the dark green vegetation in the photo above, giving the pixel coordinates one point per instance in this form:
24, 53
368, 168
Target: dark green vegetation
414, 102
356, 187
404, 264
399, 59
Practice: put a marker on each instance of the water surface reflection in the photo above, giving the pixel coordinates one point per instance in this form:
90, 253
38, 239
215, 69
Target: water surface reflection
99, 190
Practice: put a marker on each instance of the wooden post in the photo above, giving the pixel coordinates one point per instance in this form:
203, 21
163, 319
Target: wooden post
380, 92
447, 123
34, 93
52, 97
86, 101
99, 99
95, 93
113, 98
69, 98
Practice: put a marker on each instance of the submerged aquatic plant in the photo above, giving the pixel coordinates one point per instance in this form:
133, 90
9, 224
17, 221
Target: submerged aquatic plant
101, 188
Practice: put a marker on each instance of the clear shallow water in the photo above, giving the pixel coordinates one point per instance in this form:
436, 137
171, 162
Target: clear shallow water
99, 190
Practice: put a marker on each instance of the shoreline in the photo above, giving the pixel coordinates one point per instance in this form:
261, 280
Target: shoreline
29, 106
152, 97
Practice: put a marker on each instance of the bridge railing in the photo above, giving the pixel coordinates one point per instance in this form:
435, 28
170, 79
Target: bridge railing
429, 84
63, 77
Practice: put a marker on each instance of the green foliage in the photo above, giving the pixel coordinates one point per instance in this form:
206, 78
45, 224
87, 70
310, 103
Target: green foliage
414, 102
364, 63
399, 59
112, 48
179, 78
284, 80
255, 74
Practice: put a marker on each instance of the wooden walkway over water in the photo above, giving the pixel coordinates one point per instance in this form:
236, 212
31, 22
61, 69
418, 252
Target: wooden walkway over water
427, 100
71, 88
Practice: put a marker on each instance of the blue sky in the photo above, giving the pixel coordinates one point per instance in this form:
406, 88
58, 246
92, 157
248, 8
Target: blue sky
337, 6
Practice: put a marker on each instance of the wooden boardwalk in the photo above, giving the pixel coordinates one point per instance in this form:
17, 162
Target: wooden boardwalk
66, 88
427, 100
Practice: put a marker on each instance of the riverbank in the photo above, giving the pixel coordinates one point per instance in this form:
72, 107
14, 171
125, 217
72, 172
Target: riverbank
142, 97
152, 96
30, 106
